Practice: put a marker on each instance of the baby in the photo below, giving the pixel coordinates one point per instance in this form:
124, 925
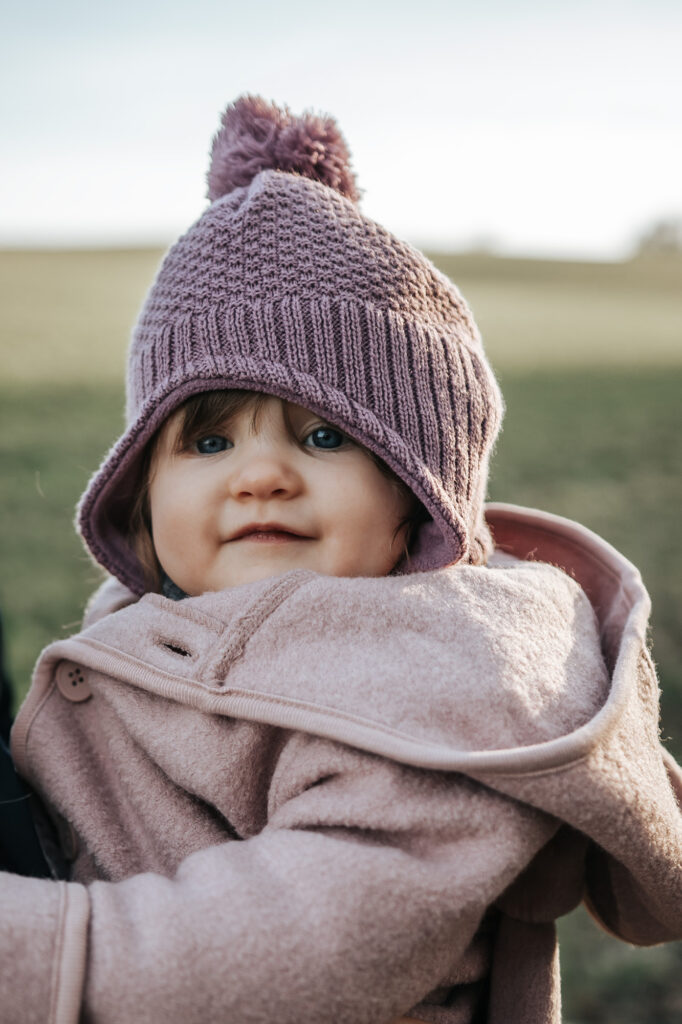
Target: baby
323, 751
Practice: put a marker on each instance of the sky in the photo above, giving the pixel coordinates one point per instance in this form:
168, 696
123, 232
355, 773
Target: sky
530, 128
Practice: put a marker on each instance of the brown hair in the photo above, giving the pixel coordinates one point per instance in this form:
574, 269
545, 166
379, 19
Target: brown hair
202, 414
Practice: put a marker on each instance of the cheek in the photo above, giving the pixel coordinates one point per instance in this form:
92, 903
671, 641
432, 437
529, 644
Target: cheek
170, 511
373, 503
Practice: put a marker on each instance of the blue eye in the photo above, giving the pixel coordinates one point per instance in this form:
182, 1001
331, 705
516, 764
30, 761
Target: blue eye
211, 445
327, 437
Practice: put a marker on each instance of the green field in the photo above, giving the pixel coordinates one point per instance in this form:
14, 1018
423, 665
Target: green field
590, 361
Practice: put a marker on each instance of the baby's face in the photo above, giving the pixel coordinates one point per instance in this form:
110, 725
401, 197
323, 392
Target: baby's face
340, 509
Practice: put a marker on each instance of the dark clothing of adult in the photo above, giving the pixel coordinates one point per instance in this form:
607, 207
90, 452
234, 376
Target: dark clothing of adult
19, 848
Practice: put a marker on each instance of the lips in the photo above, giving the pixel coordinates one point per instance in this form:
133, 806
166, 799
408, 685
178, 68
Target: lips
266, 528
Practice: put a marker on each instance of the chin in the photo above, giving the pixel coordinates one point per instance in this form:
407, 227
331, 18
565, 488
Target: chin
253, 574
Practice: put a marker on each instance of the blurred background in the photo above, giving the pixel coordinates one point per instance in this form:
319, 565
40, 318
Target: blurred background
534, 150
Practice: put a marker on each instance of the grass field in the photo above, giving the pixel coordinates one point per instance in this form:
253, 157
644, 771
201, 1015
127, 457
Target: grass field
590, 361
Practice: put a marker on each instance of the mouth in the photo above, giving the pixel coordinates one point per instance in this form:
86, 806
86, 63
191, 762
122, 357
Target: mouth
271, 537
273, 533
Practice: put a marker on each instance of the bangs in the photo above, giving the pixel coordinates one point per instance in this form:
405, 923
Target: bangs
209, 411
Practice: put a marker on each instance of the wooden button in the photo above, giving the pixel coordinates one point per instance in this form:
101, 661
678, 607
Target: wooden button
72, 682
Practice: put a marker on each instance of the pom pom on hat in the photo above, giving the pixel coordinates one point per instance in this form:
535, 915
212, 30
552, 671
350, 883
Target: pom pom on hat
255, 135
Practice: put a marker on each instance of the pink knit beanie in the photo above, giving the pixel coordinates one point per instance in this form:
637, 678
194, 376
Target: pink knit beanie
283, 286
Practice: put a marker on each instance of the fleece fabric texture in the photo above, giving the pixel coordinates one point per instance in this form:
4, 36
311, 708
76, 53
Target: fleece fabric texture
346, 799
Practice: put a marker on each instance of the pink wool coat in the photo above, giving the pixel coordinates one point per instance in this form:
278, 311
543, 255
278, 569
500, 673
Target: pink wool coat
337, 799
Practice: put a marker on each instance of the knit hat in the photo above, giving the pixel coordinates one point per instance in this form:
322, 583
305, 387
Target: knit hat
283, 286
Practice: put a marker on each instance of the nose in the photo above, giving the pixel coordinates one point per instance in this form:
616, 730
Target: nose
265, 471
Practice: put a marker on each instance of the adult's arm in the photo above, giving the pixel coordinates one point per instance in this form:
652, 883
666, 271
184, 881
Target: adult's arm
366, 885
19, 848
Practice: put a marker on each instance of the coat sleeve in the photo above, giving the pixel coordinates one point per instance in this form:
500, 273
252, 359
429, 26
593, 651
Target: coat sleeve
628, 899
363, 889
